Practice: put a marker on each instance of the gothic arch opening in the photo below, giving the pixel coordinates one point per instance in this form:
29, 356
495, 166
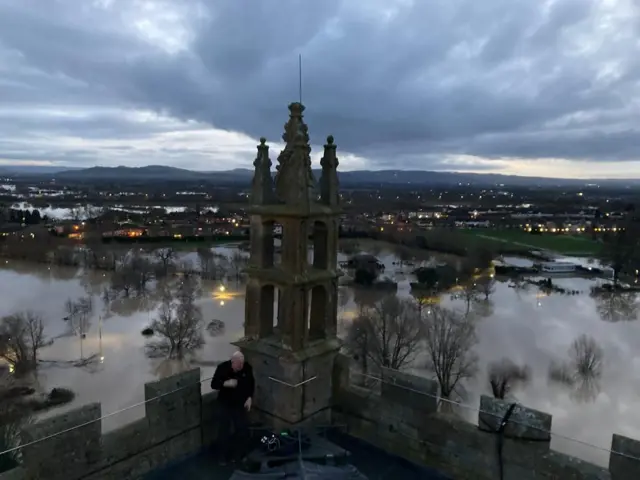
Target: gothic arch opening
268, 244
268, 309
318, 312
320, 236
276, 316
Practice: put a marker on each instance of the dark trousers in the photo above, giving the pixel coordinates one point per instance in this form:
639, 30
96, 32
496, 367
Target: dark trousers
233, 432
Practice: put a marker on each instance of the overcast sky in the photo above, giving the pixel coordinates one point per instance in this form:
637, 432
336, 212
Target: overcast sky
530, 87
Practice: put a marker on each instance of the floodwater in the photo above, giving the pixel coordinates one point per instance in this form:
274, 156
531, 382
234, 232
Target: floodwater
63, 213
523, 325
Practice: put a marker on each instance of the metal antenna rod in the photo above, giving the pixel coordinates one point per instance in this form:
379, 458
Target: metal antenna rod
300, 76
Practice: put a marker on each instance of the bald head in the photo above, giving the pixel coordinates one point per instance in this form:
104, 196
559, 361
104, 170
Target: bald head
237, 361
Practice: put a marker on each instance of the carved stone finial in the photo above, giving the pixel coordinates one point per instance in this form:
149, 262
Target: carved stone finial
262, 185
290, 177
329, 187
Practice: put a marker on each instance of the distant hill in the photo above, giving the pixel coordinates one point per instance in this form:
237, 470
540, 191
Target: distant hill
407, 178
14, 170
151, 172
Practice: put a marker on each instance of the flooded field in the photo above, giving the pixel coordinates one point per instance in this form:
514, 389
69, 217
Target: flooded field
524, 325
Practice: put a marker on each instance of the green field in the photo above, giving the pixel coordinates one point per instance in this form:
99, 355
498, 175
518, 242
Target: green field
561, 243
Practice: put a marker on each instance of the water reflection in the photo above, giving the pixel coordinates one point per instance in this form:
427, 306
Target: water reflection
616, 306
517, 324
582, 372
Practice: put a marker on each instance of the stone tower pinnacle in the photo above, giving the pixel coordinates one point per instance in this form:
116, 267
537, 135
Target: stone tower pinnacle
292, 345
294, 162
262, 185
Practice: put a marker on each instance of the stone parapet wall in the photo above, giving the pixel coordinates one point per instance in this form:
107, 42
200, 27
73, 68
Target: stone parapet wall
403, 418
178, 422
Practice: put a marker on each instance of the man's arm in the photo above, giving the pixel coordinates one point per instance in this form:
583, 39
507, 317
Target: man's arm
218, 379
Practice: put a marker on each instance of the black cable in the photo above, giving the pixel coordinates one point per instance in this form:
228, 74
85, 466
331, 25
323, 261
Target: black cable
500, 432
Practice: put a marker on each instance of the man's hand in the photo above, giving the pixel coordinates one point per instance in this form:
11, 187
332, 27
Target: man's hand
247, 404
231, 383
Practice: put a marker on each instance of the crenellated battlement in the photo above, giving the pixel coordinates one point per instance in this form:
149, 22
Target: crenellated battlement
178, 422
401, 417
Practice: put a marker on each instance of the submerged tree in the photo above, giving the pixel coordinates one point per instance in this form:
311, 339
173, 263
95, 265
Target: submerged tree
14, 415
450, 337
485, 286
178, 328
505, 375
21, 338
582, 371
237, 264
165, 261
387, 334
586, 356
208, 264
79, 314
616, 306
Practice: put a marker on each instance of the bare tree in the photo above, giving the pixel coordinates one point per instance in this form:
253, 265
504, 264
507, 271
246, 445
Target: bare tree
14, 415
237, 263
21, 338
583, 369
388, 334
616, 305
65, 255
75, 213
179, 321
505, 375
141, 270
132, 275
79, 315
468, 293
450, 337
90, 212
207, 263
586, 356
166, 257
485, 286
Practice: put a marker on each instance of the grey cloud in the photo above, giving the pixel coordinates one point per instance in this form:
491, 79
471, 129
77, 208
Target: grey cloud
496, 79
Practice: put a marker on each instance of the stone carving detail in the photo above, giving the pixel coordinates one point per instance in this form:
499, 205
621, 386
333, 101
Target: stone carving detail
329, 186
262, 185
294, 178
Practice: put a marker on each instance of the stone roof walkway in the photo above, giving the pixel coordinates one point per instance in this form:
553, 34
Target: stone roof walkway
372, 462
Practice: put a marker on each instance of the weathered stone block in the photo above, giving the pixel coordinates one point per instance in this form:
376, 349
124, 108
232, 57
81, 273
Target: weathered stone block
173, 404
410, 390
125, 441
524, 423
561, 466
75, 448
292, 387
624, 463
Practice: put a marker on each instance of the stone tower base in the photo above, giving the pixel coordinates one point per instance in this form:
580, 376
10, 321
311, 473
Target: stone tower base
293, 389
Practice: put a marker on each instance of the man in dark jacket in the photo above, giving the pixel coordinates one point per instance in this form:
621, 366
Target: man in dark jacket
235, 385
